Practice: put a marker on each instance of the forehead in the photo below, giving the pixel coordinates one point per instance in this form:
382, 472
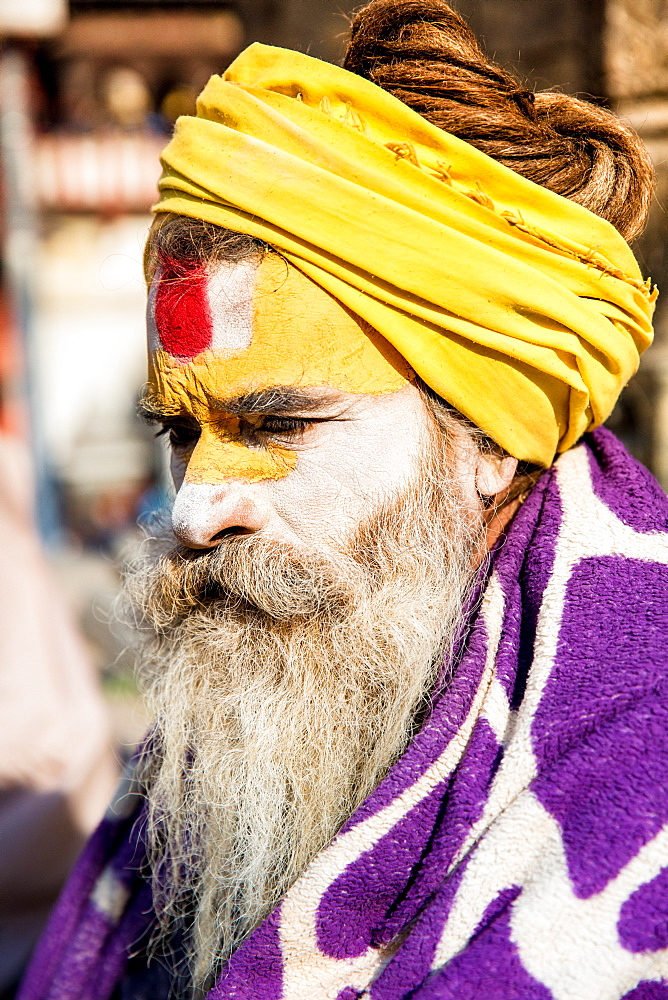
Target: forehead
234, 327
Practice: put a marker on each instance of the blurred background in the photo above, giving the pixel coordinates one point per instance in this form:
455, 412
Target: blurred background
89, 92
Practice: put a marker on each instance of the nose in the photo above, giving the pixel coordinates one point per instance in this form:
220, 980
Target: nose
203, 515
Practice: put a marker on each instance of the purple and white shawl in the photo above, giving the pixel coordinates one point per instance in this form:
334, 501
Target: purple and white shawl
519, 848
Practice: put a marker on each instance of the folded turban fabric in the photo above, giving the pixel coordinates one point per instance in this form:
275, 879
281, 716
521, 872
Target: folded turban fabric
519, 307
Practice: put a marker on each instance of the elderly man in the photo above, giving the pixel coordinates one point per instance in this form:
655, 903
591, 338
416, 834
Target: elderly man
407, 669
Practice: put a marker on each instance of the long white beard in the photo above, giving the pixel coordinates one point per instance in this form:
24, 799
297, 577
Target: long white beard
284, 686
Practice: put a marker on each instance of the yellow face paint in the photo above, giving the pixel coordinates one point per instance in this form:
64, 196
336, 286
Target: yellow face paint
298, 336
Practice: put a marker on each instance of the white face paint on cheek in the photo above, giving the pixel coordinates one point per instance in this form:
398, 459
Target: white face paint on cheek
344, 467
350, 466
355, 465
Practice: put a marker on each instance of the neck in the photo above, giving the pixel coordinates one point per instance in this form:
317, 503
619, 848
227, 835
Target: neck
505, 505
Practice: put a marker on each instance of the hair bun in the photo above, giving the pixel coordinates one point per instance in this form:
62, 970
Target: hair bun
425, 54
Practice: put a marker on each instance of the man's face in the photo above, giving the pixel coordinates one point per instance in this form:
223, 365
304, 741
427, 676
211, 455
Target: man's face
284, 413
325, 627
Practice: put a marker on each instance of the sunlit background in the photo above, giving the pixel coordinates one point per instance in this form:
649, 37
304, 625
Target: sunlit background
89, 92
89, 96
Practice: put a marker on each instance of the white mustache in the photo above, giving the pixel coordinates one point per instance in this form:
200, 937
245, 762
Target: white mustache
248, 574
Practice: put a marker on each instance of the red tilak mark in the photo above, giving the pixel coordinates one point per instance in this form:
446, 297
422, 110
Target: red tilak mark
182, 314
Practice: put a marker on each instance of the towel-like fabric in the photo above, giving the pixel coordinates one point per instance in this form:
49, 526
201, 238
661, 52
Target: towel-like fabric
519, 848
522, 309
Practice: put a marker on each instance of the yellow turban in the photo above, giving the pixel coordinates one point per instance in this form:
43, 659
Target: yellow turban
522, 309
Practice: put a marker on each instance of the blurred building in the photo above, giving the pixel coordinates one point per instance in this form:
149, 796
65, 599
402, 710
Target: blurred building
102, 85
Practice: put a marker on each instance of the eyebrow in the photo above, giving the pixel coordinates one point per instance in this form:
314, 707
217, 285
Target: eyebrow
276, 401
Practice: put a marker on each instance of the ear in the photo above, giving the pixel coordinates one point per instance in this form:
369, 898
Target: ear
494, 473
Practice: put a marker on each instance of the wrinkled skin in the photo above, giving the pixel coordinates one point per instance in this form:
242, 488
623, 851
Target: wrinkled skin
285, 414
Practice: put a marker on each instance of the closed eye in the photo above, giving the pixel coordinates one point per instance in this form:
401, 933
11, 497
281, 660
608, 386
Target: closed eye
182, 434
282, 426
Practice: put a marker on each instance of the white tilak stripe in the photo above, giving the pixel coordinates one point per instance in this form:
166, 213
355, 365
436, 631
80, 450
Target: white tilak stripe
230, 295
